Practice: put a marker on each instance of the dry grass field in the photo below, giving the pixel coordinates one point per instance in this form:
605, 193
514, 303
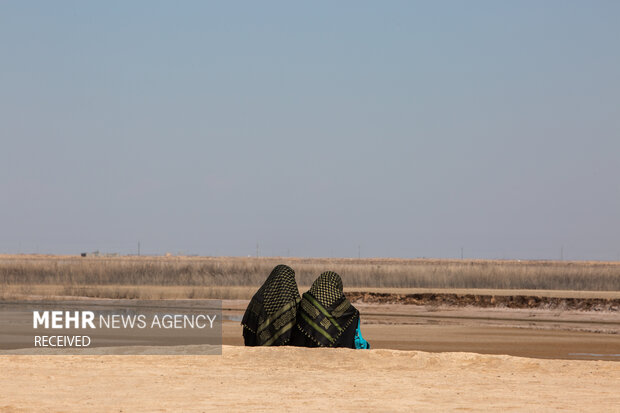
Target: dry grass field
236, 277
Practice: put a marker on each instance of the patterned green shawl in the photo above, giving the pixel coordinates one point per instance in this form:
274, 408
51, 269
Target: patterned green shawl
272, 311
325, 313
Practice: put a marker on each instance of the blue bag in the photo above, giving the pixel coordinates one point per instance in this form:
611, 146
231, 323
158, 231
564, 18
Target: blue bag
360, 343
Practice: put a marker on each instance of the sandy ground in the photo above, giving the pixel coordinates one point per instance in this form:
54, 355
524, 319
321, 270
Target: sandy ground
423, 359
290, 379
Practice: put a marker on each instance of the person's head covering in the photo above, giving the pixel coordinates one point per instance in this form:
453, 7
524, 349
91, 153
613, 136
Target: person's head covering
271, 314
325, 313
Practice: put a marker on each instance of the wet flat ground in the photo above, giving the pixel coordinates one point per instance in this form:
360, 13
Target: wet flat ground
577, 335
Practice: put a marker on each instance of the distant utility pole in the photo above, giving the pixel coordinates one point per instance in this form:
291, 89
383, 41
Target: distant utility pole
256, 249
461, 252
562, 253
359, 251
138, 248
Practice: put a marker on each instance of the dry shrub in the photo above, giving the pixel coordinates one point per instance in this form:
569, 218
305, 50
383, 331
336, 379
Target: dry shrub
130, 277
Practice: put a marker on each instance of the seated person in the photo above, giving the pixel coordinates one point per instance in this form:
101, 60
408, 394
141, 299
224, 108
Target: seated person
326, 318
271, 314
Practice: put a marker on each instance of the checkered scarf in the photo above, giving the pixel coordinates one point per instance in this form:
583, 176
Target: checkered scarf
272, 311
325, 312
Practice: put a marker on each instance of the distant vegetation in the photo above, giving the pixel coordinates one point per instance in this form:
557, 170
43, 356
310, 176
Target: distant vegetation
232, 277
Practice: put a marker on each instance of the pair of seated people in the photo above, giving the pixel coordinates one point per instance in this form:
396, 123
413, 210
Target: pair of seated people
322, 317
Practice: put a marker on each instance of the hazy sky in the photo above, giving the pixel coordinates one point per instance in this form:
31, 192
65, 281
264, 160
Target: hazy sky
393, 129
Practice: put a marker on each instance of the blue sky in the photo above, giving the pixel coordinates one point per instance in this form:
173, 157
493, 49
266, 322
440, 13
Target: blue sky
393, 129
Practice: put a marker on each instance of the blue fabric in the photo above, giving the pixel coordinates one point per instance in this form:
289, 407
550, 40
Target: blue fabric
360, 343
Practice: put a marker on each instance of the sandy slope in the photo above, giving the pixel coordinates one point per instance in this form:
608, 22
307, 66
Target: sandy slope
261, 379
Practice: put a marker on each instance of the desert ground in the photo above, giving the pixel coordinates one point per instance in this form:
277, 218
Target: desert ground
500, 345
299, 379
422, 359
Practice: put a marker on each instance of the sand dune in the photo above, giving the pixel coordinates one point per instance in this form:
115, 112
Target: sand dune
288, 379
